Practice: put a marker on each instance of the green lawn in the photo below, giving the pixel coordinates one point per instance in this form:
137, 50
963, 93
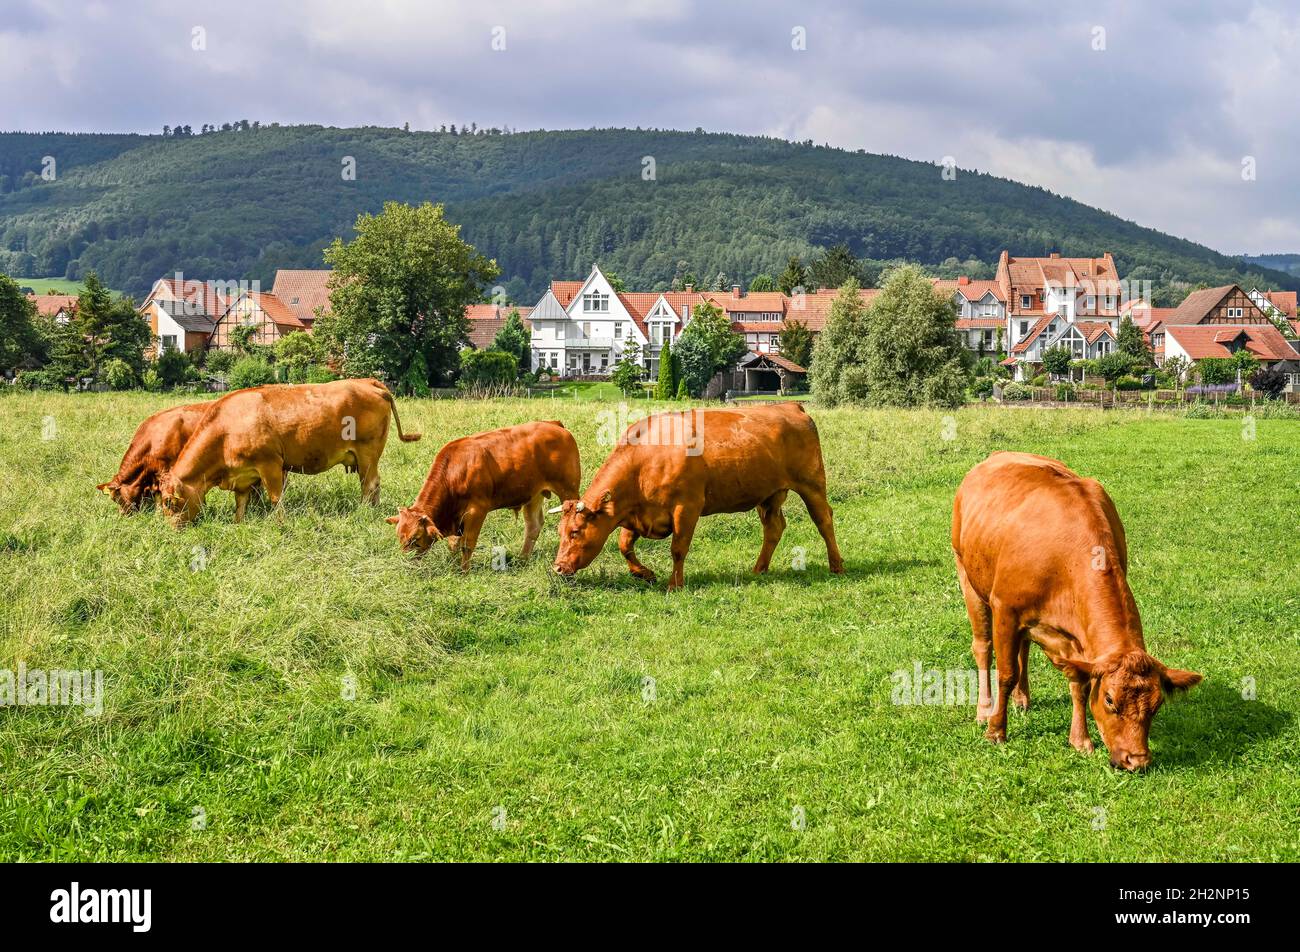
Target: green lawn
45, 285
507, 715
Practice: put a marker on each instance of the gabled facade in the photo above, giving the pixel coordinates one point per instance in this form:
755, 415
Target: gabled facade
981, 312
182, 312
59, 308
269, 317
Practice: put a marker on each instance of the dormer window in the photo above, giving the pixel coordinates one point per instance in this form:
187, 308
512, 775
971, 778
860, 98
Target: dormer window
1026, 301
595, 301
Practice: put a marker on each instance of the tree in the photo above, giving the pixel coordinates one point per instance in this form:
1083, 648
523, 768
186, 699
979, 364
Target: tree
1112, 366
840, 354
106, 327
666, 385
1216, 371
1131, 342
628, 372
762, 282
706, 346
794, 276
20, 339
296, 352
914, 353
797, 343
398, 295
1057, 360
172, 367
615, 282
1271, 383
514, 338
834, 267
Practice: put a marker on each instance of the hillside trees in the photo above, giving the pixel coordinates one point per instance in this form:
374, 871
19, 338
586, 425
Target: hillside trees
398, 296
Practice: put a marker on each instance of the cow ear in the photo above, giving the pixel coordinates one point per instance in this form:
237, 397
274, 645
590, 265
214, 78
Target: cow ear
607, 503
105, 488
1076, 670
391, 520
1175, 679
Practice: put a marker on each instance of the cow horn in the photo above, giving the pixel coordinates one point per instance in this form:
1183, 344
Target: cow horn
555, 509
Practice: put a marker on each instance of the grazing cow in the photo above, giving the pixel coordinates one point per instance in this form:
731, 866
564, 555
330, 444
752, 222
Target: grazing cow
672, 468
157, 443
257, 435
1041, 557
512, 468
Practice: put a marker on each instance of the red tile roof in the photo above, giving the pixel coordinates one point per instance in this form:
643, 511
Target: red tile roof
485, 320
303, 292
276, 309
1208, 340
49, 305
1284, 301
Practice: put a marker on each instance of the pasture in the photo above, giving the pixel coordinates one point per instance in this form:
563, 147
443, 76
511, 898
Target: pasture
294, 688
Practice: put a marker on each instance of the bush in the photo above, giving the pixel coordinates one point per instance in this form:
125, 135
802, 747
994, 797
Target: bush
1039, 381
118, 375
173, 367
982, 388
1271, 383
1016, 391
487, 368
152, 382
41, 380
1128, 383
319, 373
220, 361
251, 372
1064, 391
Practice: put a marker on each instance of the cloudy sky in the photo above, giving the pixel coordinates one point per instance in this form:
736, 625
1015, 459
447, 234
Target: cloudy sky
1150, 110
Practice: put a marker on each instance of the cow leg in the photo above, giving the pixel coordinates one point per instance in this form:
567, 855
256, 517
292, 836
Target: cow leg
472, 522
815, 499
981, 644
1079, 738
272, 476
769, 510
626, 539
1006, 647
534, 516
1021, 693
683, 530
368, 474
241, 502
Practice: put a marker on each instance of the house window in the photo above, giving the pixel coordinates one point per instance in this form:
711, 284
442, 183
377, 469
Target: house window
1024, 328
751, 338
776, 343
1026, 301
618, 331
169, 342
555, 360
604, 361
595, 301
1089, 304
1103, 348
586, 328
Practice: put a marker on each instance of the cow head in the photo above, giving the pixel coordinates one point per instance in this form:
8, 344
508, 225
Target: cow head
415, 530
583, 531
128, 496
178, 500
1124, 693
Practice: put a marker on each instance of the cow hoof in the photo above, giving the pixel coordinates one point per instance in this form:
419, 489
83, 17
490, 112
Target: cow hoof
837, 568
1020, 700
995, 736
982, 714
646, 576
1083, 746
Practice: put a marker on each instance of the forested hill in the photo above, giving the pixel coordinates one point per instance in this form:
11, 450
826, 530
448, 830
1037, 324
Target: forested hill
241, 203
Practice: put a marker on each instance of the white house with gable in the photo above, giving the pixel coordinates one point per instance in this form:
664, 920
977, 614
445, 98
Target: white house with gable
583, 328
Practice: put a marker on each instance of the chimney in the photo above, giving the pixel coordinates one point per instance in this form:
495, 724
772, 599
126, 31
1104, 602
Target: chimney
963, 280
735, 290
690, 289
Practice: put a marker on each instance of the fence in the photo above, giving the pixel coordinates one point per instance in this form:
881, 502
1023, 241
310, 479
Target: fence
1111, 398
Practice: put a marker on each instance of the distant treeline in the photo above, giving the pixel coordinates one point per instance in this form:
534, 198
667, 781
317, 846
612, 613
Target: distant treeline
649, 205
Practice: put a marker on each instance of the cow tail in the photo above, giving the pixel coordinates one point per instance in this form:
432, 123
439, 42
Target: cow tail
392, 404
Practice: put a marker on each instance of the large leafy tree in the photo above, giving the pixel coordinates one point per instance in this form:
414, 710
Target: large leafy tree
762, 282
20, 340
839, 357
398, 296
706, 346
914, 353
1057, 360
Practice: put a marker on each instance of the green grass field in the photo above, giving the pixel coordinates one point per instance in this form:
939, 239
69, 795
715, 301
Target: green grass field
508, 715
46, 285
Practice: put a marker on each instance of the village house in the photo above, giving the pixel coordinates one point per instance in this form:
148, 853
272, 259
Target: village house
291, 306
59, 308
182, 313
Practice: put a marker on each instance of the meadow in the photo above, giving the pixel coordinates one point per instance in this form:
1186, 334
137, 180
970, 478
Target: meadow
295, 688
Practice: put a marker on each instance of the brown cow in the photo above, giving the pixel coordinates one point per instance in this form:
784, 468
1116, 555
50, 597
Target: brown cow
516, 467
1041, 557
672, 468
257, 435
157, 443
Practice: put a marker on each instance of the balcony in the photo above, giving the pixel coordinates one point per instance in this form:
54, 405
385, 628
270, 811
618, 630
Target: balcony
590, 343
